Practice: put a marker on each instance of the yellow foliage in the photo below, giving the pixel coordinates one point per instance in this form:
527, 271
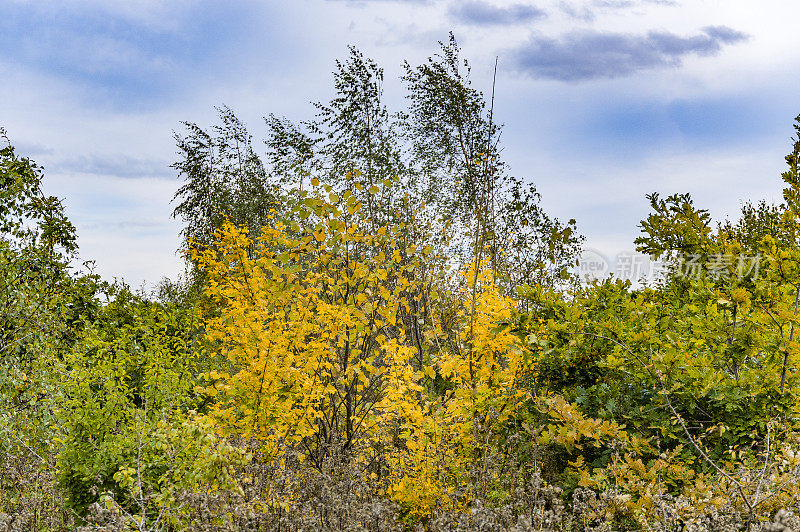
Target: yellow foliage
309, 325
317, 327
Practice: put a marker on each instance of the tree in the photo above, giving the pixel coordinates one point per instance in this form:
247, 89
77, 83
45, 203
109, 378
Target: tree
453, 138
442, 156
44, 305
224, 178
40, 304
358, 139
312, 325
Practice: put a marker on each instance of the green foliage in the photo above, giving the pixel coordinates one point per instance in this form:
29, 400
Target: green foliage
791, 194
453, 138
371, 360
675, 225
133, 370
224, 179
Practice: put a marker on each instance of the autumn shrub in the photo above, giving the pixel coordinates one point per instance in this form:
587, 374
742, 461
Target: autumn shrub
322, 359
314, 329
129, 428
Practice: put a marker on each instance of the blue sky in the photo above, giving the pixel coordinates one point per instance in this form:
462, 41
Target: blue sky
603, 101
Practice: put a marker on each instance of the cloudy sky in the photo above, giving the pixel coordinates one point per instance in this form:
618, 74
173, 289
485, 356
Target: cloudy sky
603, 101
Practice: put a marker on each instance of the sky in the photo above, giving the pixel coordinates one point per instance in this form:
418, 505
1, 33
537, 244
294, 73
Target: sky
602, 101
